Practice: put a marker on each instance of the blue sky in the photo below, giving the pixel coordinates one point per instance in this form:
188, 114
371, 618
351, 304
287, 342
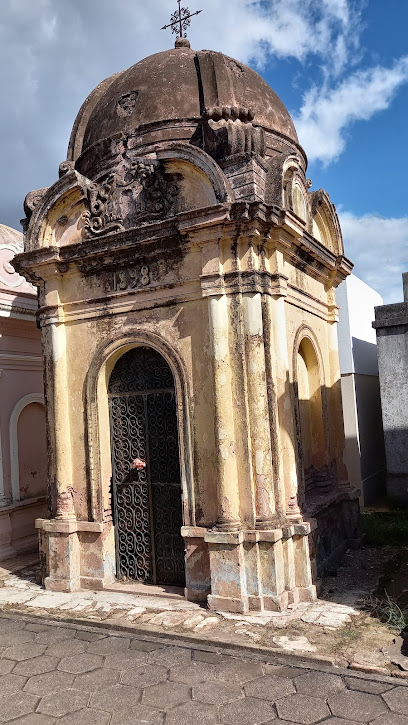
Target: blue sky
340, 66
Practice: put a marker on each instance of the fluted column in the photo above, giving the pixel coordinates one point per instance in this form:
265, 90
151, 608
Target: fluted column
226, 464
259, 411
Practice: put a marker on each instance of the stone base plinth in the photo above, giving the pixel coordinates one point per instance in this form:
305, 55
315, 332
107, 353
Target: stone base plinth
233, 571
260, 570
76, 554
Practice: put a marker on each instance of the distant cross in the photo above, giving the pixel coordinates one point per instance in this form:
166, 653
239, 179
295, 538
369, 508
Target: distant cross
180, 20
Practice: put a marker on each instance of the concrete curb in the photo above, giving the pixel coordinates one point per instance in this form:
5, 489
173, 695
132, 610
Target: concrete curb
196, 642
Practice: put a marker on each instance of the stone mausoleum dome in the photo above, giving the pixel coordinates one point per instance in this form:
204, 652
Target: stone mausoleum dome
187, 281
172, 95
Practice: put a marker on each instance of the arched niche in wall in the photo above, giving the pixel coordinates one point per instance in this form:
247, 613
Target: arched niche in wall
299, 201
311, 417
28, 448
325, 224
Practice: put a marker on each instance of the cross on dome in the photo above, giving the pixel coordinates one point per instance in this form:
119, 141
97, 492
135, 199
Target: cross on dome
180, 21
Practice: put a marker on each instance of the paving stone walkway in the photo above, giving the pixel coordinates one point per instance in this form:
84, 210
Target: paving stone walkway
21, 591
82, 675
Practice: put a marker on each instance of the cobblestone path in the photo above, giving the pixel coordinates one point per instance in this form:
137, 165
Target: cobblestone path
79, 675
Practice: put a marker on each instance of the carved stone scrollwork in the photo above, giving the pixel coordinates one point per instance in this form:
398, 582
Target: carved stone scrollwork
100, 218
31, 201
140, 191
65, 167
158, 191
229, 131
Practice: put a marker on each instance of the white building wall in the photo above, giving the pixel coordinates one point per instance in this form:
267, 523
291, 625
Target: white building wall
364, 453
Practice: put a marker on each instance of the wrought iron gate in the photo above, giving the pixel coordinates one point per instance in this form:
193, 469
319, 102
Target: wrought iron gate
147, 501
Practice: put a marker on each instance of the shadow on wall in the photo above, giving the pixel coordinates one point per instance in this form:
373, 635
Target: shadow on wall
324, 493
396, 442
369, 417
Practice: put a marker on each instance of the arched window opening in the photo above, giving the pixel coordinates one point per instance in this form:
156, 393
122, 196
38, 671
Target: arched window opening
313, 440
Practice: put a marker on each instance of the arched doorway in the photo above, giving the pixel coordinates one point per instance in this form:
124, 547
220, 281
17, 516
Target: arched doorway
146, 482
313, 439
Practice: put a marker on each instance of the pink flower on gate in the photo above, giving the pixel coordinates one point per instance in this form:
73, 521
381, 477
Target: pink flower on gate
139, 464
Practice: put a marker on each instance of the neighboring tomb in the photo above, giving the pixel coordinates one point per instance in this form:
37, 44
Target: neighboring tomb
187, 281
391, 325
360, 385
23, 454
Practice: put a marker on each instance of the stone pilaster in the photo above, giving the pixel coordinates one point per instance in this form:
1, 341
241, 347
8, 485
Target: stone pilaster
62, 437
228, 494
259, 411
281, 364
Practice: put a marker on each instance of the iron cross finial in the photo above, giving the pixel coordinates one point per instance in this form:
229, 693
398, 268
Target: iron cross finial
180, 20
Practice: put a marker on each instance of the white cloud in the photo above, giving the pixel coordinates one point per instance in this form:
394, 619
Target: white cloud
55, 51
378, 247
327, 113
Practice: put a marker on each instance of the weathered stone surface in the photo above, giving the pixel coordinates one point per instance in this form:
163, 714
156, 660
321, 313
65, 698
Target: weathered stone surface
35, 719
397, 700
10, 639
235, 670
192, 713
12, 707
138, 714
9, 625
339, 721
96, 679
63, 702
193, 673
168, 619
169, 656
11, 683
144, 676
284, 671
6, 666
27, 651
85, 717
54, 635
217, 693
166, 695
144, 646
107, 645
247, 712
67, 648
359, 706
390, 719
126, 659
115, 698
80, 663
269, 688
212, 658
319, 684
88, 636
294, 644
41, 685
370, 686
302, 709
36, 666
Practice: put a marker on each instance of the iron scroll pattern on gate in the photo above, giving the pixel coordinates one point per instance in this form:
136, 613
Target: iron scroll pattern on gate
147, 502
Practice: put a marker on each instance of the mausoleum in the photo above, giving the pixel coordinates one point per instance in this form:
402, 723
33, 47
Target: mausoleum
23, 451
187, 278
